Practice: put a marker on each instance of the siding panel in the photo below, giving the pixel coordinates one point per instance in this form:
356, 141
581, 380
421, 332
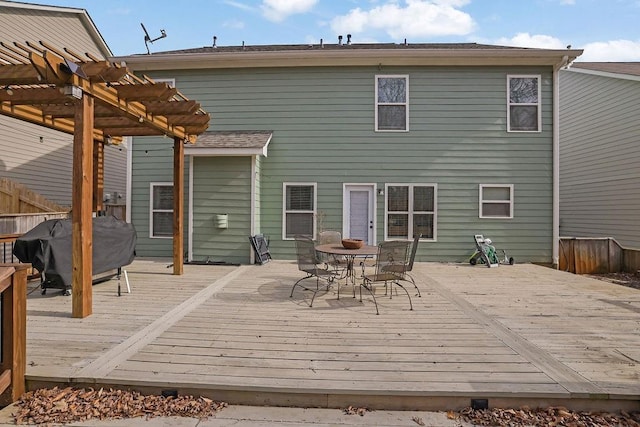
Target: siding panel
323, 131
600, 179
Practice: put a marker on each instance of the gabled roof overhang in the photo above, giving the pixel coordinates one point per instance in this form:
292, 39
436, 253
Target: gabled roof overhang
352, 57
230, 143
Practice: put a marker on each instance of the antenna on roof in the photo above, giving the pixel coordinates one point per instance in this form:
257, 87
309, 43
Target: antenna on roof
148, 39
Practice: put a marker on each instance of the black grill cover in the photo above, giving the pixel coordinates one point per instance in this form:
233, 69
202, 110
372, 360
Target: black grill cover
47, 246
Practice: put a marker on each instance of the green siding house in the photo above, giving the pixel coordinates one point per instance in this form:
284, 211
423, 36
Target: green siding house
377, 141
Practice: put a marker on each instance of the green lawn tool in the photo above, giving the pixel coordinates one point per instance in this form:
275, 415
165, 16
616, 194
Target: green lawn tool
487, 254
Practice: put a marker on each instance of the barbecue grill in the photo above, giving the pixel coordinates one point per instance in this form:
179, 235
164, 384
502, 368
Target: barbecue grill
47, 247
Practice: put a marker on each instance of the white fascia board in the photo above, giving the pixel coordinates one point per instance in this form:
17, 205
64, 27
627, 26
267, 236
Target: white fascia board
604, 74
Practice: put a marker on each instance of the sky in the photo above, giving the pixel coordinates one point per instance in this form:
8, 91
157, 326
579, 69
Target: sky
607, 30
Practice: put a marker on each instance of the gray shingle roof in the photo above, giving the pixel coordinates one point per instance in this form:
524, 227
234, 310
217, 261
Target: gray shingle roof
334, 46
233, 139
630, 68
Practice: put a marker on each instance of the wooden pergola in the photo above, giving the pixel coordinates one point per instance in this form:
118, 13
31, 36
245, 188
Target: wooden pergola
99, 102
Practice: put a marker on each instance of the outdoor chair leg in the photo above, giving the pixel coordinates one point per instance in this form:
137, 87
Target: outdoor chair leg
414, 285
405, 291
369, 289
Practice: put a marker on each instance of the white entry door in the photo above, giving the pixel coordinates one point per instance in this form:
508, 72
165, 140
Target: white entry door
358, 212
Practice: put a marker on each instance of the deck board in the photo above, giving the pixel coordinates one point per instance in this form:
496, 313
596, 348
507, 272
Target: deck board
522, 332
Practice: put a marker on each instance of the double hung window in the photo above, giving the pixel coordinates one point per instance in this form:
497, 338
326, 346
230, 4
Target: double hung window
496, 201
392, 103
523, 104
161, 212
299, 207
410, 211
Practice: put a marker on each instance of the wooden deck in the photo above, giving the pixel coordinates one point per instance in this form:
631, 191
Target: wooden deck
514, 335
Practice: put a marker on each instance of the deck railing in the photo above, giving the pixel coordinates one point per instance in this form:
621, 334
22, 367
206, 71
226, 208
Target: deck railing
13, 315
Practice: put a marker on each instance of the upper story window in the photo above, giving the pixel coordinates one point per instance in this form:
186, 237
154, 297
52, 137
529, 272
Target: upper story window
299, 210
523, 104
410, 211
496, 201
392, 103
161, 212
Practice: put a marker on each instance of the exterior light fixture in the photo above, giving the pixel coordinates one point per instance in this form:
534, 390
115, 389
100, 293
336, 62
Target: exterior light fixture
73, 91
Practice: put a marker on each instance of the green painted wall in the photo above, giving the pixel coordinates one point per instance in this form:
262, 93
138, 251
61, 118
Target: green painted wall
323, 131
221, 185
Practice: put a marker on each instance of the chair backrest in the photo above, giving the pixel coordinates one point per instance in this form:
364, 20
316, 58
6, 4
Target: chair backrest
392, 256
414, 249
306, 253
329, 236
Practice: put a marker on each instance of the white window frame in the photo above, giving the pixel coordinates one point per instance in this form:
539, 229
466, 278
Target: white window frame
405, 104
537, 104
482, 201
152, 210
411, 212
171, 81
285, 211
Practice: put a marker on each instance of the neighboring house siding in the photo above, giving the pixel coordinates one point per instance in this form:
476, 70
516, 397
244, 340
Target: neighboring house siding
45, 165
221, 185
323, 131
599, 156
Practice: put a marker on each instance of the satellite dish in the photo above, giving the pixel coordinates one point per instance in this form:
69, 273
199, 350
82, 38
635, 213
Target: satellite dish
148, 39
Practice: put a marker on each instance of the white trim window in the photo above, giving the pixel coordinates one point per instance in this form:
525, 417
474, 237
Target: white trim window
170, 81
496, 201
299, 209
523, 103
161, 210
410, 209
392, 103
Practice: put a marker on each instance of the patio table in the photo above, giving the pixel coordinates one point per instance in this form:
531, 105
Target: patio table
349, 254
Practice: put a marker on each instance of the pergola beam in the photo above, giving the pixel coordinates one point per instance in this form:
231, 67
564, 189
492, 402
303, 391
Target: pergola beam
98, 102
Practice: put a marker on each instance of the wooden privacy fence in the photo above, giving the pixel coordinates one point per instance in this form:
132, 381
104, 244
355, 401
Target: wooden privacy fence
592, 255
21, 223
13, 291
16, 198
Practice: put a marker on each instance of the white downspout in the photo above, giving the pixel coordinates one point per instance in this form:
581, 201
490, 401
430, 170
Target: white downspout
556, 161
129, 146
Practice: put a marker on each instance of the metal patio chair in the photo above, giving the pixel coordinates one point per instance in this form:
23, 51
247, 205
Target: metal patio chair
404, 275
337, 262
309, 263
390, 267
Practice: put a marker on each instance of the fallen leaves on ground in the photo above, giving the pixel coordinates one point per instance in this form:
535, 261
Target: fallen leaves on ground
353, 410
550, 417
630, 280
56, 405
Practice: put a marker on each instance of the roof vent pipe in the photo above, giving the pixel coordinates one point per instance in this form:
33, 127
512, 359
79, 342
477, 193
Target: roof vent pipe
321, 43
405, 42
215, 39
242, 44
348, 38
340, 40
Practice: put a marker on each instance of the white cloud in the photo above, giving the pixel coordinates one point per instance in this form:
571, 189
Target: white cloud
532, 40
411, 18
279, 10
611, 51
234, 24
568, 2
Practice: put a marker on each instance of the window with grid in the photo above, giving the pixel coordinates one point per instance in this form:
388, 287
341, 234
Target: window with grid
523, 109
299, 210
410, 211
496, 201
161, 215
392, 103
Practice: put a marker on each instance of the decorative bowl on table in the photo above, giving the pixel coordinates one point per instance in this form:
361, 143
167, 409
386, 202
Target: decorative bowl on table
352, 243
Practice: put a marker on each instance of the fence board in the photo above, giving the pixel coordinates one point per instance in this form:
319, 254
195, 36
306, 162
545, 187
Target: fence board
16, 198
596, 256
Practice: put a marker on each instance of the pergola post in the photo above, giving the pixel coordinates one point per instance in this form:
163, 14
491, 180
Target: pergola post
98, 176
178, 206
81, 214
